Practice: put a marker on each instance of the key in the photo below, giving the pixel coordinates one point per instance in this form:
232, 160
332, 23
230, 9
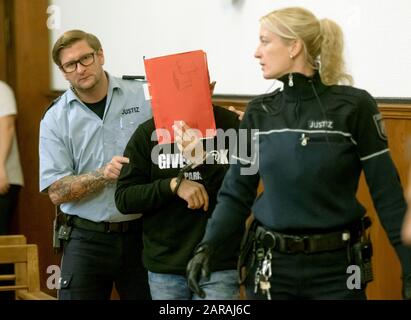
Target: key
256, 280
265, 288
266, 275
266, 267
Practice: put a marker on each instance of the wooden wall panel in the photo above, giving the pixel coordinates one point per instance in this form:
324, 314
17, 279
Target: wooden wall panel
387, 283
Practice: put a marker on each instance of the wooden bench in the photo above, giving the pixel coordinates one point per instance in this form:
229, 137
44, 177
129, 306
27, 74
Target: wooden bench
7, 240
26, 271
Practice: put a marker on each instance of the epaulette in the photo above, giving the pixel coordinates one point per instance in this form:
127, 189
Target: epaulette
50, 106
128, 77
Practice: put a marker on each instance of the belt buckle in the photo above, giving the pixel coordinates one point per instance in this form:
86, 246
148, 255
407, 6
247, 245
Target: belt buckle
113, 227
295, 244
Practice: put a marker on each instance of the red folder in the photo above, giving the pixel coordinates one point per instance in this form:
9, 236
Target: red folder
179, 89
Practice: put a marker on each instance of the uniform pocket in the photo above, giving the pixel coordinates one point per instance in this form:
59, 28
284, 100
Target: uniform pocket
326, 138
126, 130
65, 280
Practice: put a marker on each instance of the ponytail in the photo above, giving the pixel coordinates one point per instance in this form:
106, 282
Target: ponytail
332, 66
323, 41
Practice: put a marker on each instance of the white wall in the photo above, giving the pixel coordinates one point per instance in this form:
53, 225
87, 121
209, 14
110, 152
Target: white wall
378, 37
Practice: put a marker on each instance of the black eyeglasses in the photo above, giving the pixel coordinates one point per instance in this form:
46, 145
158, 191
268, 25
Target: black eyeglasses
86, 60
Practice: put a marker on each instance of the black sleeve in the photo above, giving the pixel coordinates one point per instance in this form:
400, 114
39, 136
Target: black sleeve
238, 190
227, 124
368, 128
136, 191
381, 175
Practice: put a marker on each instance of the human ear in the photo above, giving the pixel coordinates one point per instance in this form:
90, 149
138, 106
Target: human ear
295, 48
100, 55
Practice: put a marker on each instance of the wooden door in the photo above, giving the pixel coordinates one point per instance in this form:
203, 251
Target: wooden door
3, 30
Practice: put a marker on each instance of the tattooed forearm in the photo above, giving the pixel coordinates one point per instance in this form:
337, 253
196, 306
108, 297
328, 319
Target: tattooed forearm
73, 188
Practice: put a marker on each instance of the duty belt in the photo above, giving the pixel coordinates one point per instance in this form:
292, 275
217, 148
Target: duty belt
286, 243
105, 227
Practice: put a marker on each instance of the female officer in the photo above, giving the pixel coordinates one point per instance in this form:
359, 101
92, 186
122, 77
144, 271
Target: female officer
314, 139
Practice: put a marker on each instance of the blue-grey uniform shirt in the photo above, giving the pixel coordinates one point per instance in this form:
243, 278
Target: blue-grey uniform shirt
74, 141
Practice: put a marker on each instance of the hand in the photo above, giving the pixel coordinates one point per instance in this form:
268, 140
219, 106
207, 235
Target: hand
111, 171
238, 112
193, 192
4, 181
199, 266
406, 228
406, 287
189, 142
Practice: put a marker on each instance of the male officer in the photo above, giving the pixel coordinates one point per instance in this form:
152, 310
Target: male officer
81, 139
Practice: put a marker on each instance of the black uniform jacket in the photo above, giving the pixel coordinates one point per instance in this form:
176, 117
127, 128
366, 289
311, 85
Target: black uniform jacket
311, 142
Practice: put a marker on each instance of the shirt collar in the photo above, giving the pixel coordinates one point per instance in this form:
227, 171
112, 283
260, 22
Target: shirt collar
302, 87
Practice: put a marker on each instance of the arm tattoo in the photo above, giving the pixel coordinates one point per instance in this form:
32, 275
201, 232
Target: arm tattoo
73, 188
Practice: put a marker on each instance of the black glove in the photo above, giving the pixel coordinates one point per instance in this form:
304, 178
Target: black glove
199, 266
406, 287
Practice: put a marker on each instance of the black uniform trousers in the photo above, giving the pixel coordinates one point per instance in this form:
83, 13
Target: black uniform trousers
93, 261
321, 275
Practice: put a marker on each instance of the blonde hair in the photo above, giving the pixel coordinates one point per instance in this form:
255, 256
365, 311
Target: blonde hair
68, 38
323, 41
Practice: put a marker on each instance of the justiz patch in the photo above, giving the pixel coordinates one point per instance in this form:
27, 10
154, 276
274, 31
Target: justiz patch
130, 110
